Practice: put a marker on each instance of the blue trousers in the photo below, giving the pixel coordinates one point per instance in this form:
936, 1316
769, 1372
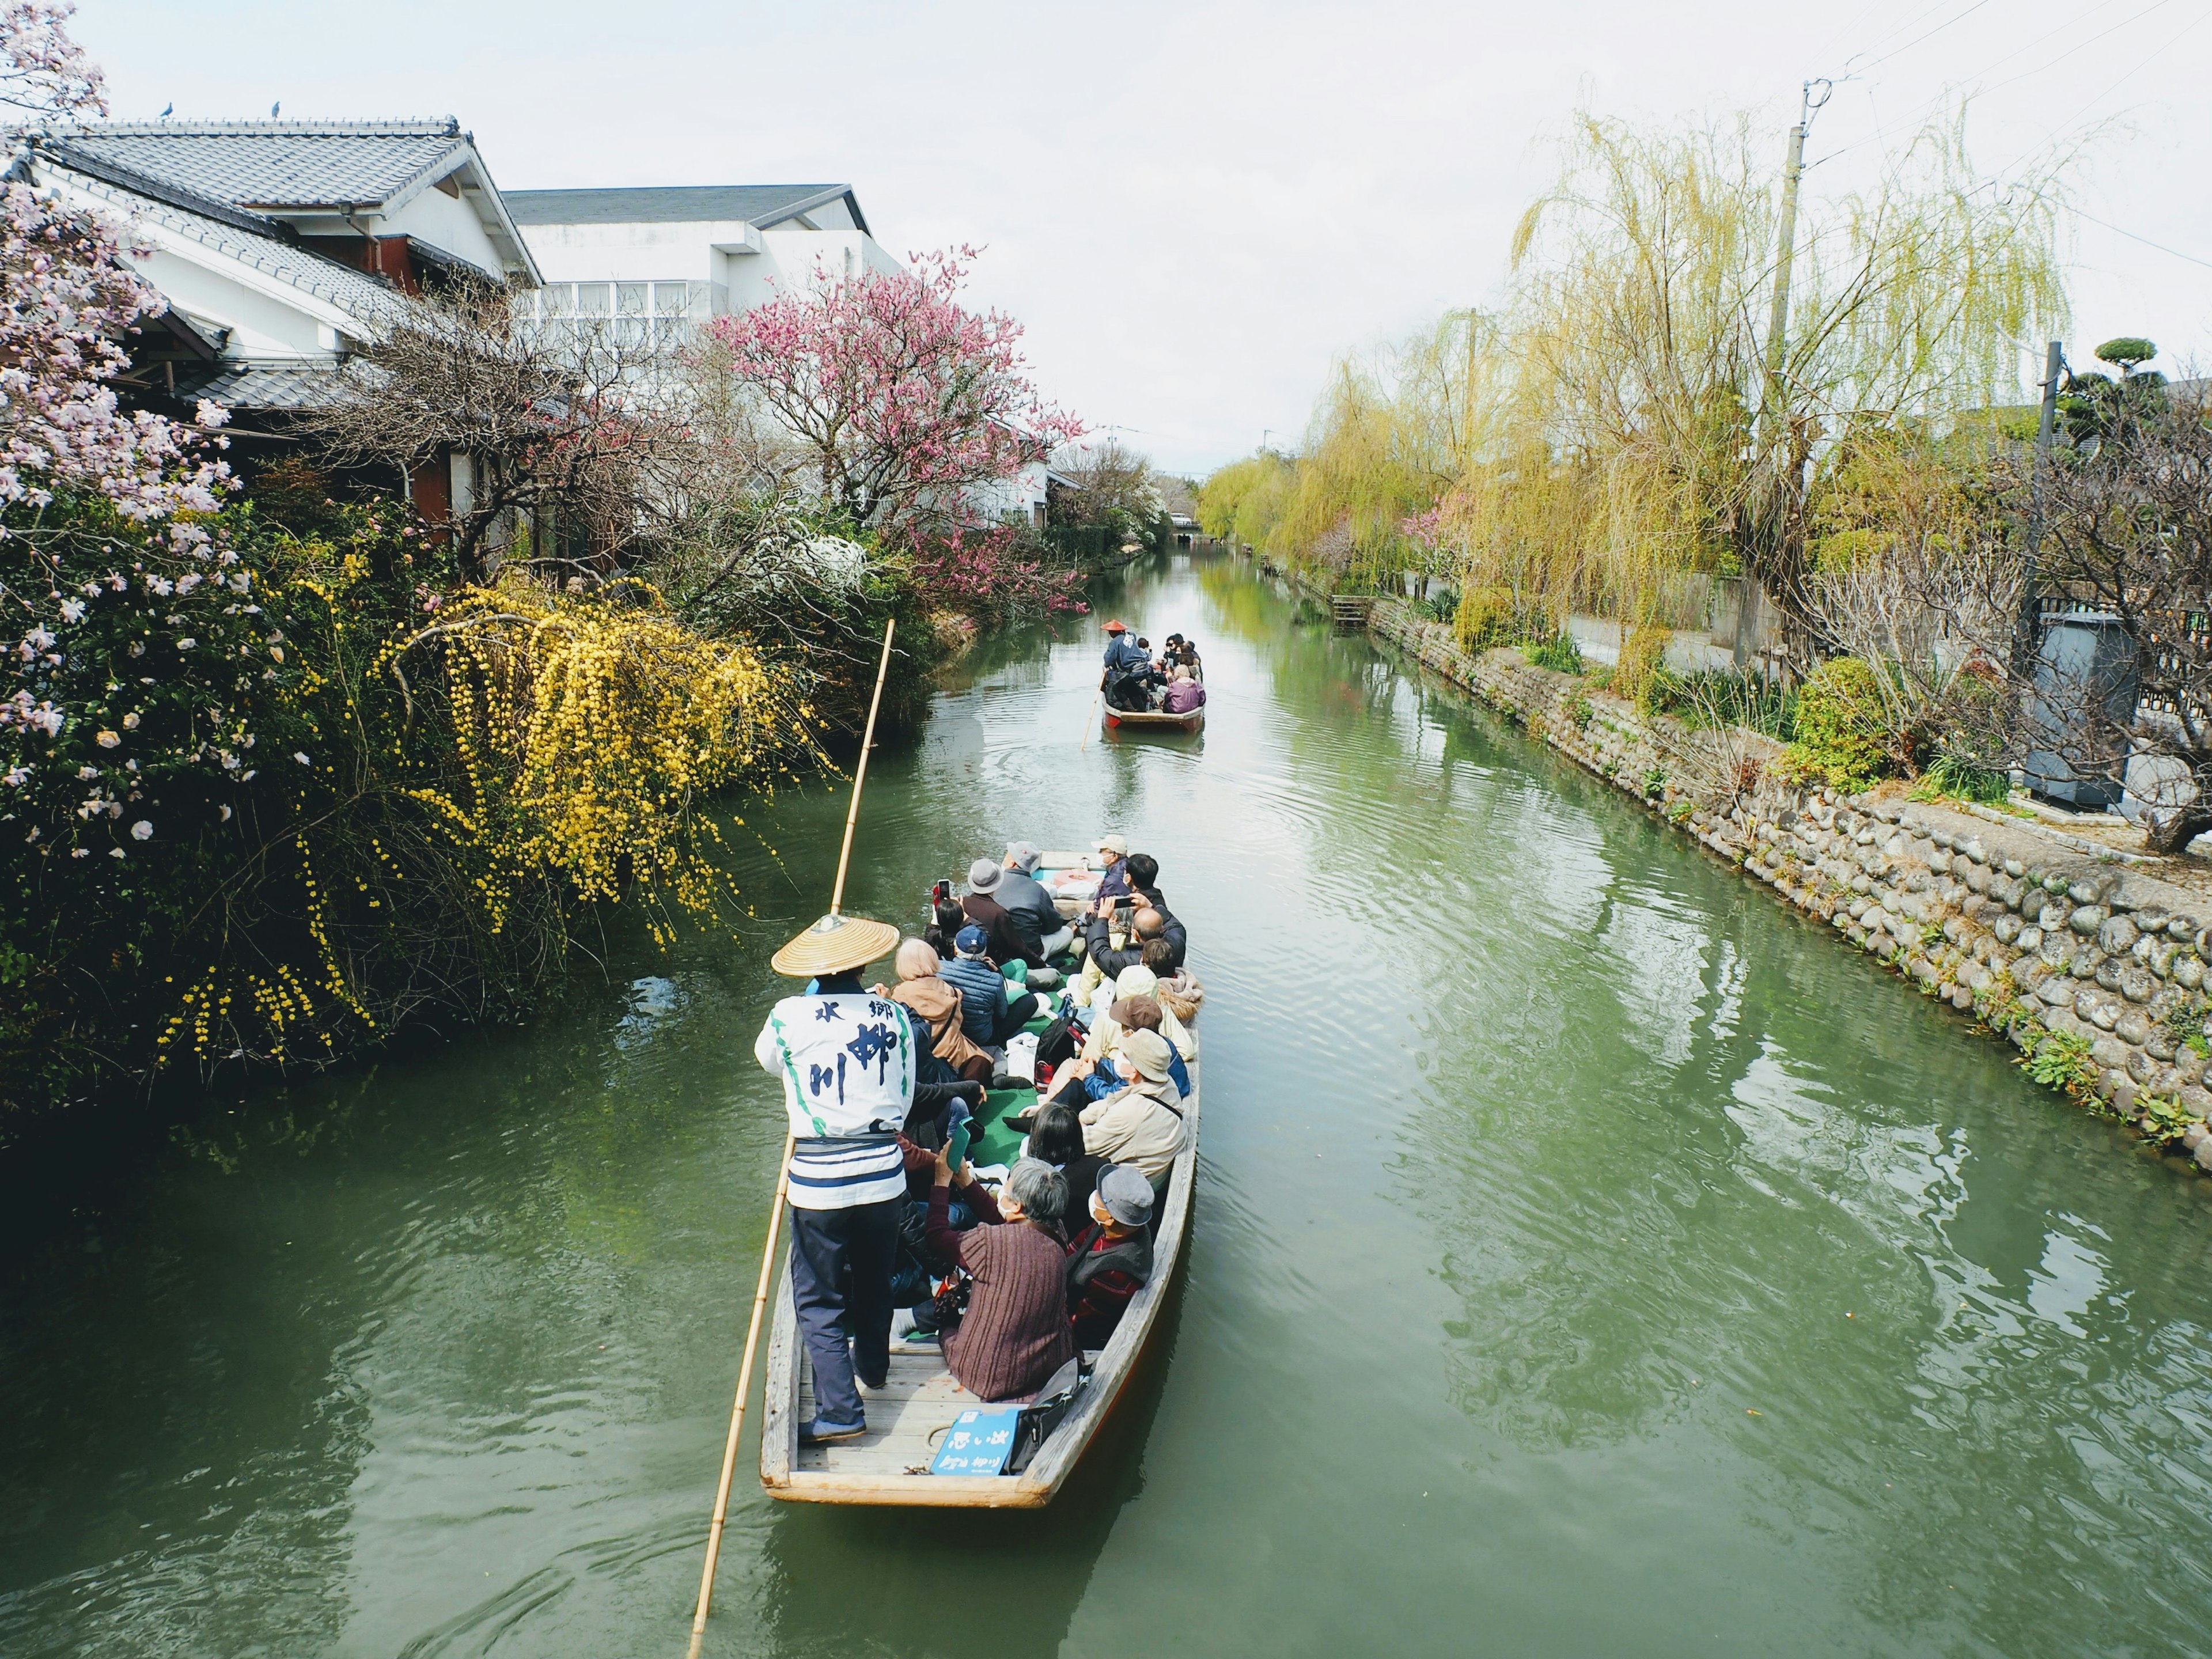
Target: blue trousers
843, 1259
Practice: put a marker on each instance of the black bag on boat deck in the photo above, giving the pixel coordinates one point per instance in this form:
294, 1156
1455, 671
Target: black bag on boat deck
1058, 1041
1042, 1415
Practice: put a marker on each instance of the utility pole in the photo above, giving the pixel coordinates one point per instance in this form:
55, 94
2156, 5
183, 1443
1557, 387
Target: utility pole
1778, 321
1773, 418
2024, 640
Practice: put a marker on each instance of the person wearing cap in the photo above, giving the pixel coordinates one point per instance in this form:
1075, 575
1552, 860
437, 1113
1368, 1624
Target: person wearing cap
1008, 937
1020, 891
1081, 1080
1110, 1260
1140, 1123
985, 1014
848, 1061
1113, 862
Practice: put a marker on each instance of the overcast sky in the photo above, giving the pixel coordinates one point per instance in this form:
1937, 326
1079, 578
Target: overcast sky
1196, 207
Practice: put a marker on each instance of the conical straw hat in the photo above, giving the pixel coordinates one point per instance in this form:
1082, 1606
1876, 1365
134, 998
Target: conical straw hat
834, 943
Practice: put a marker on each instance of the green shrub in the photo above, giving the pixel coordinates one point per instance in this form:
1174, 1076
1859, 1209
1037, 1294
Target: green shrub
1559, 653
1961, 779
1725, 697
1843, 736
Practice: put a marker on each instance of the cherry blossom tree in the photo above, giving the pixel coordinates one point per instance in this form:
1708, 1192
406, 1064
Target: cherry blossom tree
68, 301
909, 405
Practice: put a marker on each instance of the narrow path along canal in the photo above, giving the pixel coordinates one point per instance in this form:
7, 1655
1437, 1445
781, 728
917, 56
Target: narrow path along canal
1589, 1257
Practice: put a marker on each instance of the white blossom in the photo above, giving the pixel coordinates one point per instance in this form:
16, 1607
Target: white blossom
142, 830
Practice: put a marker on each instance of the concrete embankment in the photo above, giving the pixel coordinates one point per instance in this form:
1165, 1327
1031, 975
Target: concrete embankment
2089, 964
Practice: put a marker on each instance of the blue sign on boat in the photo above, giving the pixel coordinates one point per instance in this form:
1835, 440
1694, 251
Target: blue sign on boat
978, 1443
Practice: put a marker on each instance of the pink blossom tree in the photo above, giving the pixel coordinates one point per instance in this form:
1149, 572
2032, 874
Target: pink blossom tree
909, 405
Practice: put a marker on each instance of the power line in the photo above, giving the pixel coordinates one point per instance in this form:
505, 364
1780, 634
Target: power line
1943, 97
1916, 40
2135, 69
2145, 240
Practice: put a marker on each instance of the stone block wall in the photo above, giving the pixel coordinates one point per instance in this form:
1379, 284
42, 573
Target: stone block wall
2082, 960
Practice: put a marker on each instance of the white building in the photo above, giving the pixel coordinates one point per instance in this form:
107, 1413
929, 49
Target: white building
682, 255
281, 245
679, 256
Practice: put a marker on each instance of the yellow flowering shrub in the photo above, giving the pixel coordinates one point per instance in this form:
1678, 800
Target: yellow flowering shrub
591, 730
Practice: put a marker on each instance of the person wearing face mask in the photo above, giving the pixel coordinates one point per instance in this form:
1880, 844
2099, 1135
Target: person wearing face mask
1111, 1260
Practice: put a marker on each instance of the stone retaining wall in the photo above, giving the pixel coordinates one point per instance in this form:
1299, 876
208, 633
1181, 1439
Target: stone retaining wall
2084, 963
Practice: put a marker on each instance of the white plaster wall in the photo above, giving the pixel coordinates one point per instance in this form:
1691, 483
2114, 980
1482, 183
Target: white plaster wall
262, 326
444, 222
687, 251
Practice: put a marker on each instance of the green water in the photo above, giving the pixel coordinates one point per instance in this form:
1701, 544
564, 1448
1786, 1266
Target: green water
1590, 1258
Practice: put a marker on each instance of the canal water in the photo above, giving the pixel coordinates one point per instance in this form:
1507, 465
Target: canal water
1589, 1257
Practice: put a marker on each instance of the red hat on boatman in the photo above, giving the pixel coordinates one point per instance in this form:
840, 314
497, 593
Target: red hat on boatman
1118, 626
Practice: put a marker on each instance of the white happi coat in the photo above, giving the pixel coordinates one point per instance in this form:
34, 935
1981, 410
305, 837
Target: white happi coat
848, 1061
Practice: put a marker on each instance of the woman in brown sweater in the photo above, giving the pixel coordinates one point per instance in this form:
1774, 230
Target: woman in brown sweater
1015, 1334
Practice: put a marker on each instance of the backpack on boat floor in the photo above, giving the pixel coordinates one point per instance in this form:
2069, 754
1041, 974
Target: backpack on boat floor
1057, 1043
1043, 1414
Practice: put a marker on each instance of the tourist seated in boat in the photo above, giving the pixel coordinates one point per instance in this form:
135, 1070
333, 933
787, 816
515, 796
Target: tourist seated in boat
1142, 1122
1056, 1135
1180, 653
1183, 695
1081, 1080
1008, 938
1111, 1260
1015, 1331
945, 921
937, 1002
1112, 854
1023, 894
1179, 993
1145, 883
986, 1015
1108, 954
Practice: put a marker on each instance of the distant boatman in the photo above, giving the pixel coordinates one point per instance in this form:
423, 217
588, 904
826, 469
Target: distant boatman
847, 1060
1126, 660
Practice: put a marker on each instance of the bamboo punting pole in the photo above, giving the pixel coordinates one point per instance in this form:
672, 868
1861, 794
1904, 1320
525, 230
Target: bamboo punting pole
776, 1213
861, 772
1091, 719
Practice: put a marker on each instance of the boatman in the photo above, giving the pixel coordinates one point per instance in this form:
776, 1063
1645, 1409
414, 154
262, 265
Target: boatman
847, 1060
1125, 661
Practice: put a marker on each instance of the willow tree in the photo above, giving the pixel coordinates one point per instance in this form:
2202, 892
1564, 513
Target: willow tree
1641, 434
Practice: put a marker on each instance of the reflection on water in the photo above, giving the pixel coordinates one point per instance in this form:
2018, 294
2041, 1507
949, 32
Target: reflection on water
1591, 1256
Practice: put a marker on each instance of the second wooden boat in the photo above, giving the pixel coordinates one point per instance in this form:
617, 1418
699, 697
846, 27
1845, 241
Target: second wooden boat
1156, 719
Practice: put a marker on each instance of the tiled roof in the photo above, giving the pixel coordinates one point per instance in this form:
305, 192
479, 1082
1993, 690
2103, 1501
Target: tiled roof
356, 294
755, 204
271, 386
273, 164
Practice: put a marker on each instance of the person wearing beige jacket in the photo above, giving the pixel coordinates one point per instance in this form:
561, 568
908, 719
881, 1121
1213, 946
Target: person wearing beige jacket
1142, 1124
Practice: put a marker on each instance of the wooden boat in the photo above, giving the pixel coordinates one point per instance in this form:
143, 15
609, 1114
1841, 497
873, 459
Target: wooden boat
1154, 719
908, 1416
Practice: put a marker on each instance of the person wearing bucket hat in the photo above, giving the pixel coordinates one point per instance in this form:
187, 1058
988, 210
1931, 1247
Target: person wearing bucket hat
1008, 938
1021, 892
1110, 1260
847, 1060
1141, 1123
985, 1014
